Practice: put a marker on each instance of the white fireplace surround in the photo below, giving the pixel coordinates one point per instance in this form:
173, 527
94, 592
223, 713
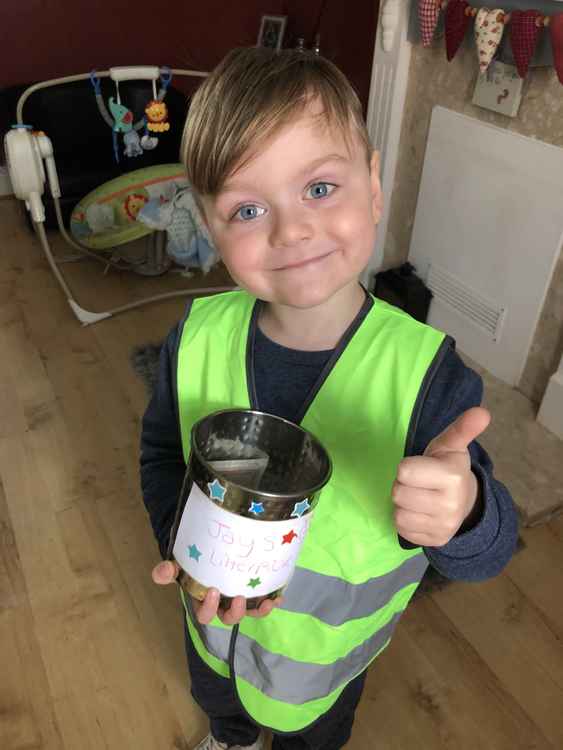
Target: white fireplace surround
551, 409
389, 78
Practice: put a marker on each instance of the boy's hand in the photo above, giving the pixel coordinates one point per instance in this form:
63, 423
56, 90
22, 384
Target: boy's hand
167, 572
436, 492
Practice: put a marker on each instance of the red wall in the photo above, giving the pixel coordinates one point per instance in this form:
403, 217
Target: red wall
42, 39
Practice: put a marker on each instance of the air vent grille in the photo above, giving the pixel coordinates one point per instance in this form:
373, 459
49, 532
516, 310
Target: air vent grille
466, 301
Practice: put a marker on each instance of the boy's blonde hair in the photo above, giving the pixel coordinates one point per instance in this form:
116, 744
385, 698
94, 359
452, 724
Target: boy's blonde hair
249, 97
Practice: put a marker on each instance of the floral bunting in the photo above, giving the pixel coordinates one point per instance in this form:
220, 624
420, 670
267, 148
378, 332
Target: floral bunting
489, 28
489, 25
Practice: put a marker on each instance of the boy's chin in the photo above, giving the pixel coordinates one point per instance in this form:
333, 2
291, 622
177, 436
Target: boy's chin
312, 296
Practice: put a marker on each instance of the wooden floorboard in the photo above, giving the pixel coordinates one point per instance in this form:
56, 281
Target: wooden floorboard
92, 652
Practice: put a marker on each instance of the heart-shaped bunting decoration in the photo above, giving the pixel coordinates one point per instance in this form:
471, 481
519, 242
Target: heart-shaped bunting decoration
428, 13
556, 35
524, 34
457, 21
489, 28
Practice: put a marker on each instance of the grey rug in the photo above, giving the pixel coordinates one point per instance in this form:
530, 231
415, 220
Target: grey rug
144, 360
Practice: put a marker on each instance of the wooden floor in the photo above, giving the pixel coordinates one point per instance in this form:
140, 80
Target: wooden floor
91, 651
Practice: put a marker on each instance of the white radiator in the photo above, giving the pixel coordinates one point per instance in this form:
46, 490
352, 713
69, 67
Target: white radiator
487, 234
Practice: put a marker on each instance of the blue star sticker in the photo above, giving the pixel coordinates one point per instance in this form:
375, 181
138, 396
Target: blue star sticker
195, 554
216, 490
300, 508
256, 508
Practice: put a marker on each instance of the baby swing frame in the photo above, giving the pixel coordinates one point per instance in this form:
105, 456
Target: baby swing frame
35, 206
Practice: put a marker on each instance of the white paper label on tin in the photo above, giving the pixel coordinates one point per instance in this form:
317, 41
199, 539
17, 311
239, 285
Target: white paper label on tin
235, 554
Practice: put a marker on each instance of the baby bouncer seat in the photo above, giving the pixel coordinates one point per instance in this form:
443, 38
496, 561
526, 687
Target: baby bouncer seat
114, 150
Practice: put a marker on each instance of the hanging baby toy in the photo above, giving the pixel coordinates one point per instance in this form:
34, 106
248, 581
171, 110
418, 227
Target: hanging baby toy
156, 112
157, 116
120, 120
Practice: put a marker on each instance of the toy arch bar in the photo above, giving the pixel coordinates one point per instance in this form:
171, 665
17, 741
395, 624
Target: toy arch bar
143, 72
87, 317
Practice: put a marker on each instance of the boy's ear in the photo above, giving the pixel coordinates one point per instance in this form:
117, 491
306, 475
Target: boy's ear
376, 192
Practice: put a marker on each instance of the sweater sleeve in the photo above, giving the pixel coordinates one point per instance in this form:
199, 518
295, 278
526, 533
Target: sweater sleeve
483, 550
162, 460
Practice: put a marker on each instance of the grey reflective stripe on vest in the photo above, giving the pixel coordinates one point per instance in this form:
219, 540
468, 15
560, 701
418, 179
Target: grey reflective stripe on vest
298, 682
335, 601
215, 640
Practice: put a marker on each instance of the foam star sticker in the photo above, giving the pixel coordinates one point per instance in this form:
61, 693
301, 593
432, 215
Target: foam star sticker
256, 508
216, 490
254, 582
288, 538
195, 553
300, 508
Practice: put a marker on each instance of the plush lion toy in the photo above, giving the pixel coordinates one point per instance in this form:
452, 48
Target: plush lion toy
157, 115
133, 204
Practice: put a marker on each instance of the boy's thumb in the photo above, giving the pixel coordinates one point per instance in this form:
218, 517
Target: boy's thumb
466, 428
165, 572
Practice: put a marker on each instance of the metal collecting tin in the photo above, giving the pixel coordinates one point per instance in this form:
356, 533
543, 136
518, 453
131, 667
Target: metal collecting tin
251, 476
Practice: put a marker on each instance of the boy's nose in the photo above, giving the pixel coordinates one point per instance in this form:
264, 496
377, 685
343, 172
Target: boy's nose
291, 228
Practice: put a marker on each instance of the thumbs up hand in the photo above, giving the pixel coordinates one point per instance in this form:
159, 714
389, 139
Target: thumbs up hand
434, 493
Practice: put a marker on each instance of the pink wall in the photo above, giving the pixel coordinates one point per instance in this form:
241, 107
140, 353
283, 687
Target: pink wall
40, 39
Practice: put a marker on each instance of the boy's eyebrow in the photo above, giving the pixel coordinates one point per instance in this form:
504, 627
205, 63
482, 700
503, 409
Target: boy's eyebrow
322, 160
230, 187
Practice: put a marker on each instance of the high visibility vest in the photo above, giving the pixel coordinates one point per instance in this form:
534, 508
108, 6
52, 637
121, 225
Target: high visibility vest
353, 580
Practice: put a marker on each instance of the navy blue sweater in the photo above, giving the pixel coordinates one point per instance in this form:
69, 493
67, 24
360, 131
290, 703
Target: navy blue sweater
283, 378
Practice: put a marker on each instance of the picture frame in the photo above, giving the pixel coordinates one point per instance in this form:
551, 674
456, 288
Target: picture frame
272, 30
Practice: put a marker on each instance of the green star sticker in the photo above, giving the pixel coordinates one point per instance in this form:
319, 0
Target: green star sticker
195, 553
254, 582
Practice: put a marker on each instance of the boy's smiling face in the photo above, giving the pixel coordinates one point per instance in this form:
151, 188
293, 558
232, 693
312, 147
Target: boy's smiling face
296, 224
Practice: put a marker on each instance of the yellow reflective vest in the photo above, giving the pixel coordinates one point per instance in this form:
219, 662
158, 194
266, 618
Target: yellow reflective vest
353, 580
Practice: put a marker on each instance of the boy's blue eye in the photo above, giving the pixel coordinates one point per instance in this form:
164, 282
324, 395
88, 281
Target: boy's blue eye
320, 189
250, 211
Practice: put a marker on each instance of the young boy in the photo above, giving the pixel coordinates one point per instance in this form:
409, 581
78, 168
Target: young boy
280, 161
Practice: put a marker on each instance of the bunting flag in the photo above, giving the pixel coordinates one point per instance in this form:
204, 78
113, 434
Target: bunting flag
556, 34
525, 31
428, 13
457, 20
489, 28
